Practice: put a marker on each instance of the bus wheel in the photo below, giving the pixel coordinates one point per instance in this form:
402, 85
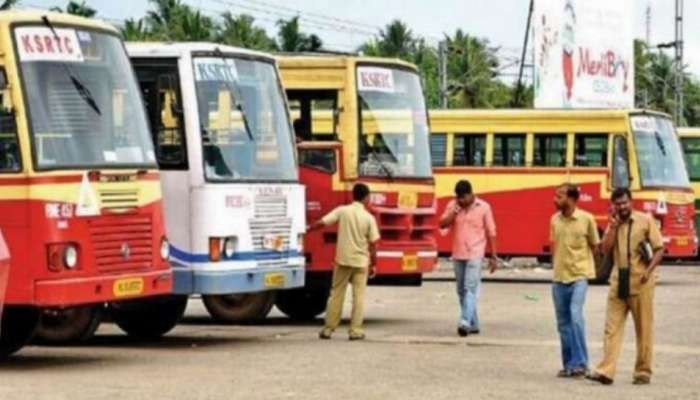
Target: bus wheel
603, 268
302, 304
74, 324
237, 308
17, 328
149, 318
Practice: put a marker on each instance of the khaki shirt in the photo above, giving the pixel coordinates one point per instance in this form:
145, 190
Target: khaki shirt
643, 228
357, 228
573, 238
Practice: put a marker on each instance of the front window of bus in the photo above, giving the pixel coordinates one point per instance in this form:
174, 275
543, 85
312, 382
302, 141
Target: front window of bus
83, 103
245, 127
658, 152
393, 124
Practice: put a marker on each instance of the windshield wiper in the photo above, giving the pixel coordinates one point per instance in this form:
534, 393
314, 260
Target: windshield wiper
236, 96
82, 90
660, 143
375, 153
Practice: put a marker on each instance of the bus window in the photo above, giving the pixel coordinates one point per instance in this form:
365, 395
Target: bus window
438, 149
159, 85
621, 173
550, 150
9, 146
591, 150
509, 150
691, 148
469, 150
314, 114
320, 159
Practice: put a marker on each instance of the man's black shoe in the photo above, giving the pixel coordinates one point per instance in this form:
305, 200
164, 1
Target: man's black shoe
462, 331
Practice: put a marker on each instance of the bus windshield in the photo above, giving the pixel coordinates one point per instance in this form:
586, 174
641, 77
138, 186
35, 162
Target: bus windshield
246, 134
393, 124
84, 106
658, 152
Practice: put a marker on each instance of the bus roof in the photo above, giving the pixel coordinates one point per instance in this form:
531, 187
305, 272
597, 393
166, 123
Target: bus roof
35, 16
325, 60
689, 132
523, 114
178, 49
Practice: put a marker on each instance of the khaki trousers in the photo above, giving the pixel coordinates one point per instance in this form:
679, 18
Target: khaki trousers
642, 308
343, 275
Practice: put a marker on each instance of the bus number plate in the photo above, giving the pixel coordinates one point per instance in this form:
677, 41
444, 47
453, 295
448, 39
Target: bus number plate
128, 287
409, 263
274, 280
408, 200
682, 241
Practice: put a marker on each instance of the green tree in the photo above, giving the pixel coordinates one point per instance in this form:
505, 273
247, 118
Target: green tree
472, 71
135, 30
241, 31
7, 4
291, 39
176, 21
77, 8
396, 40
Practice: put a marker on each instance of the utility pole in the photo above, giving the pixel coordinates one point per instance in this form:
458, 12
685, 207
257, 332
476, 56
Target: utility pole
519, 87
442, 73
679, 63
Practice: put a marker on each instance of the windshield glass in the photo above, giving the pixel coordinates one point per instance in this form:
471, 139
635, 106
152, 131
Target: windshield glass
246, 133
393, 124
658, 152
83, 103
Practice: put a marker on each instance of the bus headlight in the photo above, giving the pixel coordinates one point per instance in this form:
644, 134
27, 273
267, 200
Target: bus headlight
70, 256
300, 242
164, 249
230, 246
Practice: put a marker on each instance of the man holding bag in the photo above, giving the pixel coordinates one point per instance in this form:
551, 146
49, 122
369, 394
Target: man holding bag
637, 246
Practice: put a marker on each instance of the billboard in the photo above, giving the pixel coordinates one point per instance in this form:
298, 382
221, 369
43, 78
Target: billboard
584, 53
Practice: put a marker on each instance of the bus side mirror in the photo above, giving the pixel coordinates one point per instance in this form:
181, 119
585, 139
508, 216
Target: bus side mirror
4, 85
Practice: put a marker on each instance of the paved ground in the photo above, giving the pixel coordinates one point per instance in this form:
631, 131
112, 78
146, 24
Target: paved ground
412, 353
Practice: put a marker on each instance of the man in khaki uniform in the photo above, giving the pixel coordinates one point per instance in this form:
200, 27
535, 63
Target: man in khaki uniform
355, 253
574, 236
627, 232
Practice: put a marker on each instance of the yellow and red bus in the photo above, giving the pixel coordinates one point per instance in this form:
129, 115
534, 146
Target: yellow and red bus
690, 141
79, 186
516, 158
361, 119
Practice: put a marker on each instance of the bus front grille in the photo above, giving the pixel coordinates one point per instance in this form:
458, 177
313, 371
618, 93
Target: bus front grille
270, 207
119, 200
122, 243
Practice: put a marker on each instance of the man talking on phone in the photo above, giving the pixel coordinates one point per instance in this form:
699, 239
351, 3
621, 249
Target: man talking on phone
637, 247
472, 225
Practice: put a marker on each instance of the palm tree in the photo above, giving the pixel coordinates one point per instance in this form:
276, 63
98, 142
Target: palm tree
472, 69
174, 20
76, 8
291, 39
135, 30
240, 31
7, 4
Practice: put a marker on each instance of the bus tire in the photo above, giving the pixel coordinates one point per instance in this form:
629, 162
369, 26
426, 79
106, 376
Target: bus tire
239, 308
149, 318
68, 325
302, 304
603, 268
17, 328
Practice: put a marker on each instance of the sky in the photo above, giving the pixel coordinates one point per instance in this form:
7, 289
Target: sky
344, 24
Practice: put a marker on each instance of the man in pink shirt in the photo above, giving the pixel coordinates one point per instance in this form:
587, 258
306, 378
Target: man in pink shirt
472, 225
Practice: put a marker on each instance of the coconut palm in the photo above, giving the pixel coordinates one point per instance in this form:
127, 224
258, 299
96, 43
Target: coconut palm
240, 30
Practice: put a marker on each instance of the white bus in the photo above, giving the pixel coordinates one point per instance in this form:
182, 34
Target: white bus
234, 208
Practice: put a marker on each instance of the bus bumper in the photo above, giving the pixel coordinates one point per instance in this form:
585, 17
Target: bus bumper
102, 289
193, 280
397, 262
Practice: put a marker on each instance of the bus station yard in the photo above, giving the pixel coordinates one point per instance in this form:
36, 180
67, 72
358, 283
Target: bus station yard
411, 352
